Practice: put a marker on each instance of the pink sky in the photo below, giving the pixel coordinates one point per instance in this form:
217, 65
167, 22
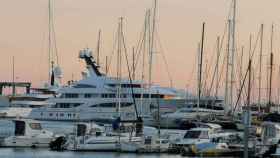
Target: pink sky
23, 32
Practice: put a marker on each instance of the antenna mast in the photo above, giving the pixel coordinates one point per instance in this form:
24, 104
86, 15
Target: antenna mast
98, 48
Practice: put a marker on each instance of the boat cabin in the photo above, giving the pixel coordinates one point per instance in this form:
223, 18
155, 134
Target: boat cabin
26, 127
270, 133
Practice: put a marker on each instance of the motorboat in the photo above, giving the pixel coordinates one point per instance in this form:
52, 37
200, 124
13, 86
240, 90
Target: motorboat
101, 140
149, 144
203, 133
27, 133
187, 114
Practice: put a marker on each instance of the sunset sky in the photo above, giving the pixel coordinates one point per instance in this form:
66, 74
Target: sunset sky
24, 26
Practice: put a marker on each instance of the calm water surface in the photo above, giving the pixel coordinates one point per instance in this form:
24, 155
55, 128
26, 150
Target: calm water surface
45, 153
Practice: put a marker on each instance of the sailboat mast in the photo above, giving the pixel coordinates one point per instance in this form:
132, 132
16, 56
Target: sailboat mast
152, 44
133, 64
13, 76
271, 67
146, 49
247, 113
49, 39
217, 67
232, 51
227, 69
119, 57
151, 40
200, 65
241, 69
260, 70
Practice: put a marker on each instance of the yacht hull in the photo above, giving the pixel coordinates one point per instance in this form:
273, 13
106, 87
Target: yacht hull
22, 141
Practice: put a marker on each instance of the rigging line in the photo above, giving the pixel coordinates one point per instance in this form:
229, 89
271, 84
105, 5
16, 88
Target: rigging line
252, 52
208, 70
204, 86
113, 51
250, 57
255, 46
142, 38
243, 93
129, 73
192, 73
243, 83
215, 69
164, 59
220, 50
138, 51
238, 71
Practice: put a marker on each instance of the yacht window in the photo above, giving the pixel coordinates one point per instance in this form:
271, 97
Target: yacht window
61, 115
71, 95
76, 104
148, 140
94, 95
107, 105
156, 96
192, 134
50, 114
204, 135
146, 95
131, 85
84, 86
111, 105
164, 141
269, 132
69, 115
185, 110
137, 95
111, 85
123, 95
110, 95
87, 95
126, 104
19, 128
41, 113
104, 96
36, 126
63, 105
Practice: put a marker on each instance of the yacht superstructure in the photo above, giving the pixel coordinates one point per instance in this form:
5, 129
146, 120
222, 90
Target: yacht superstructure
95, 97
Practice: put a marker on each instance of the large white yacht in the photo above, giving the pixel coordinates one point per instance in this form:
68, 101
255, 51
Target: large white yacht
20, 105
98, 97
